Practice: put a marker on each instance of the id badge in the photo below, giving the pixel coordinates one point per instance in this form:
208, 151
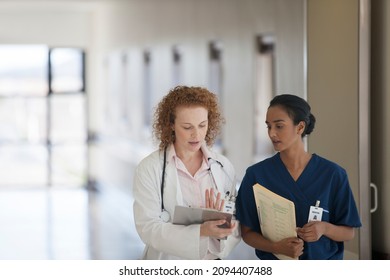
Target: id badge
229, 206
315, 213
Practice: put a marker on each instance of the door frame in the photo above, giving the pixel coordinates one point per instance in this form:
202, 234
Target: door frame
365, 250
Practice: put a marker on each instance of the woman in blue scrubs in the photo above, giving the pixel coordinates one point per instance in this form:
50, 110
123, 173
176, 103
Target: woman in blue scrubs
305, 179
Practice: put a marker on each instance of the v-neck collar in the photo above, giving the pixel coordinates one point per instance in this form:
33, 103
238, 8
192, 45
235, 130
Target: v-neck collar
287, 174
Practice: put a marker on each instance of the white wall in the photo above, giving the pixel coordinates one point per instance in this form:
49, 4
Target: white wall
44, 22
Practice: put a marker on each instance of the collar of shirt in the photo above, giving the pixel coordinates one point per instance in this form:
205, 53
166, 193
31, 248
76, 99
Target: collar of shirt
193, 188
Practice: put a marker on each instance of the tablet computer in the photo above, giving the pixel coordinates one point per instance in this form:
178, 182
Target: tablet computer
184, 215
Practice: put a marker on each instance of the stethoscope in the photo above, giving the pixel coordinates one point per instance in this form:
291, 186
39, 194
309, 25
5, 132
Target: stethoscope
230, 196
165, 216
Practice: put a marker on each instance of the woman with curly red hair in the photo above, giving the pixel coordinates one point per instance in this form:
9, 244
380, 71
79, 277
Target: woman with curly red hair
186, 124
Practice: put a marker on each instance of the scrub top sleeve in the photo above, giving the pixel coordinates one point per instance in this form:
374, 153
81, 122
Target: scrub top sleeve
345, 210
246, 210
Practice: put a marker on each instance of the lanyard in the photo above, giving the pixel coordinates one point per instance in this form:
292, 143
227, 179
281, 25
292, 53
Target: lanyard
229, 195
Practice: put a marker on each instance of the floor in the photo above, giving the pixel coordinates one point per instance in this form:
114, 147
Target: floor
63, 224
72, 224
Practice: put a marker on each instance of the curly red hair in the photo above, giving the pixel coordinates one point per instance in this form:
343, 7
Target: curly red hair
164, 116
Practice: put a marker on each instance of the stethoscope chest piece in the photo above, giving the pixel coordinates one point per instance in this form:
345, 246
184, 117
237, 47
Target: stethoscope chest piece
165, 217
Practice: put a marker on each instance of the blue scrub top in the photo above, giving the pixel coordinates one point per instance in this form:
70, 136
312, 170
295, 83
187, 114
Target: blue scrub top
321, 180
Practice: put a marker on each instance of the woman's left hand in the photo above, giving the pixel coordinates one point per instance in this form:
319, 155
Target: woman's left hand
214, 202
215, 229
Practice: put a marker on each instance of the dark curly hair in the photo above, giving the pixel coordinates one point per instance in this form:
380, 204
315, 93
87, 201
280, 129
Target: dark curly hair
164, 116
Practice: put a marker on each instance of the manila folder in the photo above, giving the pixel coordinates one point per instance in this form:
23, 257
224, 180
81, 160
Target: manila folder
276, 215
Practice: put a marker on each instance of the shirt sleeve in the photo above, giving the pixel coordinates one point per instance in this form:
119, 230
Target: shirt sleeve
345, 210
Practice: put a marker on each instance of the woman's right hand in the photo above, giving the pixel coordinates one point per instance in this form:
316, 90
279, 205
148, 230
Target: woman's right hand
214, 229
291, 246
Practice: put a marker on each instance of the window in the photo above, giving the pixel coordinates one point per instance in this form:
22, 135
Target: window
66, 70
23, 70
43, 124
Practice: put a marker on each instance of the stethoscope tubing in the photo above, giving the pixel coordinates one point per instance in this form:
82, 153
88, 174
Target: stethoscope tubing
165, 216
163, 179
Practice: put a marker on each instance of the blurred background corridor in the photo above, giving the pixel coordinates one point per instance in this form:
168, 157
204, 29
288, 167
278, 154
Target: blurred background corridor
79, 80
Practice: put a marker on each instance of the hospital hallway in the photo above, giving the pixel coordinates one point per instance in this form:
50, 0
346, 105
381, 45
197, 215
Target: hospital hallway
80, 81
